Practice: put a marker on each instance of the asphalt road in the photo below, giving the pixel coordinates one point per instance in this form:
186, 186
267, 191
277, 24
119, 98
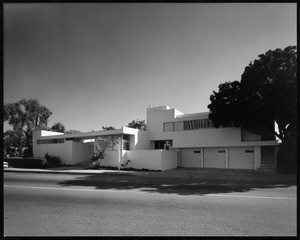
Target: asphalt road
93, 205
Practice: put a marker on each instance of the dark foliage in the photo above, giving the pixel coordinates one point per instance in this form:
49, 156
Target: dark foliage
53, 160
108, 128
267, 93
24, 116
26, 153
58, 127
138, 124
25, 162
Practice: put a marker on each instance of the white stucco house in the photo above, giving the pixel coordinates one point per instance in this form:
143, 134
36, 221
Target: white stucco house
173, 139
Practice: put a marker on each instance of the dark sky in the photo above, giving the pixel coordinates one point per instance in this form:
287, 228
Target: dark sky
97, 65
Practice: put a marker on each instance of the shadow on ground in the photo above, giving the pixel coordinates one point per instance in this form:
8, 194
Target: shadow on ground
169, 186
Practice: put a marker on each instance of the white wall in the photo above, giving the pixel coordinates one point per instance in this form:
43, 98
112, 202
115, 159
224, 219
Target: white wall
142, 140
210, 137
62, 150
155, 119
152, 159
148, 159
168, 160
257, 157
142, 159
81, 152
112, 158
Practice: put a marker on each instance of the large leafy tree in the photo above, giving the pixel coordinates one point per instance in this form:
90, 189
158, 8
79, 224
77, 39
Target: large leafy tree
58, 127
24, 116
267, 93
224, 107
13, 141
138, 124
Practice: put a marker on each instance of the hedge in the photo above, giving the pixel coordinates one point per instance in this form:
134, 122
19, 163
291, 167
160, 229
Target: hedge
25, 162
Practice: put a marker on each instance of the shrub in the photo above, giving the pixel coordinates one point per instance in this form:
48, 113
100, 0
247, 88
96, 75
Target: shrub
98, 155
26, 153
53, 160
25, 162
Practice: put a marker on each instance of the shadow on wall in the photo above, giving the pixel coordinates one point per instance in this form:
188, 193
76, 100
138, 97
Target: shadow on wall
171, 186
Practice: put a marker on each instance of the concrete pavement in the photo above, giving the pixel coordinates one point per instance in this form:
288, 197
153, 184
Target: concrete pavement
119, 205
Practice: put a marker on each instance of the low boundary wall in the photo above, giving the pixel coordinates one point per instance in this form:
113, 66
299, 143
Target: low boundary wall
142, 159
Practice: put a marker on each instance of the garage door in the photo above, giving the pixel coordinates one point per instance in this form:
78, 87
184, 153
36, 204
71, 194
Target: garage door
241, 158
190, 158
215, 158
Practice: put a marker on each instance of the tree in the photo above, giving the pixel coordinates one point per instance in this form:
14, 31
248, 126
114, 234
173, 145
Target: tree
107, 128
224, 107
58, 127
13, 142
266, 94
269, 92
24, 116
138, 124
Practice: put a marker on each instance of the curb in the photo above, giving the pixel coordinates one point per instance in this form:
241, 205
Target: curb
63, 172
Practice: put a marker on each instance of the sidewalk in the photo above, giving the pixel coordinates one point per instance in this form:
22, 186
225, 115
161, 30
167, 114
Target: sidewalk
184, 174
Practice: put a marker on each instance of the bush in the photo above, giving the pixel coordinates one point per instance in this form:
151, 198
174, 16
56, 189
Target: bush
98, 155
25, 162
26, 153
53, 160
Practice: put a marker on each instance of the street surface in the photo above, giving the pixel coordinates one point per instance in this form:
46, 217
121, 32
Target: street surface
97, 205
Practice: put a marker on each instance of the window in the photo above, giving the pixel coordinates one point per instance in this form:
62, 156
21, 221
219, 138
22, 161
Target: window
50, 141
164, 144
197, 151
197, 124
168, 127
221, 151
125, 142
178, 126
187, 125
112, 142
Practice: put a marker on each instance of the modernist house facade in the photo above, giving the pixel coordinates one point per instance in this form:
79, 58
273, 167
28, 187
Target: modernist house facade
173, 139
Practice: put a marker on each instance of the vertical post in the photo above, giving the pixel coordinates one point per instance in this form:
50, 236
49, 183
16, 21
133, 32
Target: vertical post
227, 158
202, 158
119, 148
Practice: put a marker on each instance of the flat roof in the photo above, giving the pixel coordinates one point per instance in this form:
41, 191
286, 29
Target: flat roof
90, 135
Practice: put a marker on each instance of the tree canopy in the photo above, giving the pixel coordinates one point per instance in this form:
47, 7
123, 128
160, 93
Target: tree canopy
224, 107
58, 127
107, 128
24, 116
138, 124
13, 141
267, 93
